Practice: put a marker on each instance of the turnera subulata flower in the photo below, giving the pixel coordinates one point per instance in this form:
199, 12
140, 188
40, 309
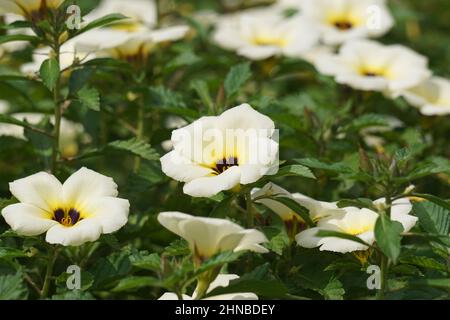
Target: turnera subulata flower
214, 154
70, 214
356, 222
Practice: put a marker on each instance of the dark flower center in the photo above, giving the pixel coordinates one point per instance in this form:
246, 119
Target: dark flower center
225, 164
370, 74
67, 218
343, 25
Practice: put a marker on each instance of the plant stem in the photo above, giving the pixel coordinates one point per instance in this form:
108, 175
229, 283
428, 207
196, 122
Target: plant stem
139, 130
250, 214
48, 273
383, 277
58, 116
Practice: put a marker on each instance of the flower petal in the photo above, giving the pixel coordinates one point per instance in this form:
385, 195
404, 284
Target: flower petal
42, 190
27, 220
84, 185
84, 231
111, 213
182, 169
210, 186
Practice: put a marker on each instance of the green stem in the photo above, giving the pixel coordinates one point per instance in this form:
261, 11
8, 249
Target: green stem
383, 279
250, 213
139, 130
48, 273
58, 116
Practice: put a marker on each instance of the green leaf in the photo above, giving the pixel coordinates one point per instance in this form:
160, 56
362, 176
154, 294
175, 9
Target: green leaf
424, 262
428, 167
439, 283
295, 170
443, 203
202, 90
89, 98
432, 217
100, 22
359, 203
166, 98
49, 73
10, 253
136, 282
333, 290
18, 37
79, 78
135, 146
317, 164
150, 262
236, 78
388, 236
296, 207
336, 234
4, 118
12, 287
367, 121
186, 58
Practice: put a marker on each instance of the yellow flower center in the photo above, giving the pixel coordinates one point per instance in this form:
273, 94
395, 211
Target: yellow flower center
357, 230
131, 26
268, 40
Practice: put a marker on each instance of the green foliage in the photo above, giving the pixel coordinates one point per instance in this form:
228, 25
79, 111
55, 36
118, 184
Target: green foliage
337, 145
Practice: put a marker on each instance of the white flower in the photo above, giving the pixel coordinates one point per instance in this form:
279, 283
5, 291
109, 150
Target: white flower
68, 55
356, 222
142, 14
290, 4
214, 154
132, 39
73, 213
369, 65
70, 131
344, 20
31, 9
317, 209
261, 34
222, 280
432, 97
210, 236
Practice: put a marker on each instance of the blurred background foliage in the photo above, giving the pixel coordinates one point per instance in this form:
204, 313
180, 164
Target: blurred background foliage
317, 119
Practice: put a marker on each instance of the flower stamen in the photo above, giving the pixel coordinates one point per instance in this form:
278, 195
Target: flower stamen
224, 164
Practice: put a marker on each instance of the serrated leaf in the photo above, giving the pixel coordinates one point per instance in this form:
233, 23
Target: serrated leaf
12, 287
295, 170
317, 164
79, 78
136, 147
388, 236
236, 78
10, 253
424, 262
49, 72
150, 262
333, 290
90, 98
